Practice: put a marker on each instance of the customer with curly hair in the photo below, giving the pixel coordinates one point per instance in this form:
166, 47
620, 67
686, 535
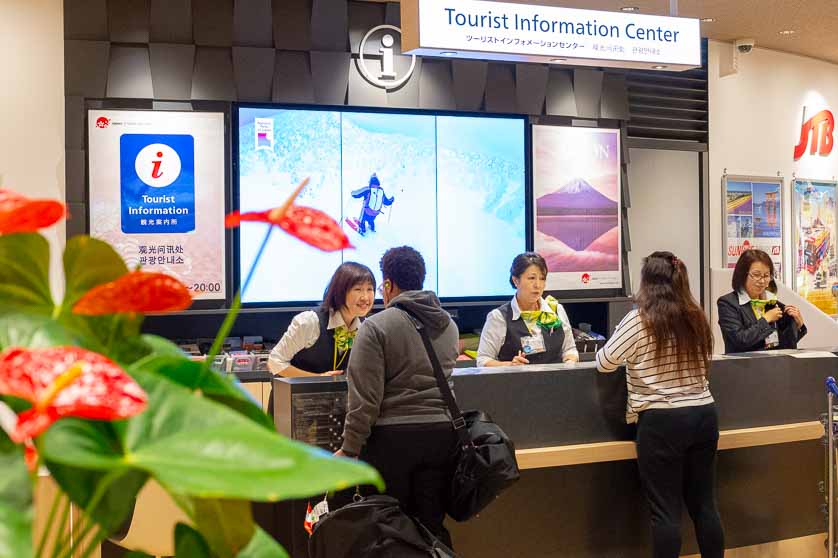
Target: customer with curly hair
396, 418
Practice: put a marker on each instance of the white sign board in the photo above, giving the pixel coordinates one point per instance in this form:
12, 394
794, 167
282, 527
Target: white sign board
525, 33
157, 192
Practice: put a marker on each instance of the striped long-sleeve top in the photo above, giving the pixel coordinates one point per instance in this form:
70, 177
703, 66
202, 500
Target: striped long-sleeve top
670, 381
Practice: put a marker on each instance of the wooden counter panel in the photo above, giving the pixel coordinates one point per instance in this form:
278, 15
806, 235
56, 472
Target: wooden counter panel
578, 454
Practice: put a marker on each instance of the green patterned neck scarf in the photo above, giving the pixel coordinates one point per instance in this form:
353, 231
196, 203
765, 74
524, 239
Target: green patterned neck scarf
545, 319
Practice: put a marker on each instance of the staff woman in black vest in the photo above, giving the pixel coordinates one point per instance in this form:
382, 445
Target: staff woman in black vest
529, 329
318, 341
751, 318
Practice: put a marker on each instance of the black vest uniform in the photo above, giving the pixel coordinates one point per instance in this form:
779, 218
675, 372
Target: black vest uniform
318, 358
516, 329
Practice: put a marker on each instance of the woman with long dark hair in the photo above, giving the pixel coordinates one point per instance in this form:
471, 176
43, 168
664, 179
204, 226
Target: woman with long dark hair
751, 318
665, 345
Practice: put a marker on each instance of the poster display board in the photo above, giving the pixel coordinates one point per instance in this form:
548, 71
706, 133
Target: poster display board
753, 218
815, 263
157, 191
576, 192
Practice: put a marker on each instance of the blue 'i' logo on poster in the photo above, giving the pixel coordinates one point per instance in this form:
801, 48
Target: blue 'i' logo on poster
157, 182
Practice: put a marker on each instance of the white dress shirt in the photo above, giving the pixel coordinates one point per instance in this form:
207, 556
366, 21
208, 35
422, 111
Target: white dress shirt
494, 332
303, 334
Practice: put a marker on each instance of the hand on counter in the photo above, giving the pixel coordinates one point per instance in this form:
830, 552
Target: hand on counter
519, 359
794, 312
333, 373
341, 453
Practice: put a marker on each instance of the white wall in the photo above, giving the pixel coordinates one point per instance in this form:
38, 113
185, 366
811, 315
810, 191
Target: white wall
755, 119
664, 212
32, 105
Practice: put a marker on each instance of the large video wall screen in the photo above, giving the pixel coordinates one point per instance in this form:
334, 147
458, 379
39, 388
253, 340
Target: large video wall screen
452, 187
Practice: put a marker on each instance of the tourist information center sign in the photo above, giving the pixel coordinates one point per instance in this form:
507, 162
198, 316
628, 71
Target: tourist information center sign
525, 33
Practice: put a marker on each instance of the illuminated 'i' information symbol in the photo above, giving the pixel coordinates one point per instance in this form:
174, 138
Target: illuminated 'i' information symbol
384, 75
157, 165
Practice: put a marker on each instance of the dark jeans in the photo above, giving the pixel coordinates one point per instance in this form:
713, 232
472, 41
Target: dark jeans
676, 454
416, 462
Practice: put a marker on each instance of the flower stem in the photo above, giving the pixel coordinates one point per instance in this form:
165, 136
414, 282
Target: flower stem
95, 541
230, 318
258, 257
50, 519
63, 534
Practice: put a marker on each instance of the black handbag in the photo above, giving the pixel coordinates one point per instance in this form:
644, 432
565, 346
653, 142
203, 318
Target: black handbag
373, 527
486, 464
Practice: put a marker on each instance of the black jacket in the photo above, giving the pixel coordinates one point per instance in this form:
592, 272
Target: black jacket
742, 331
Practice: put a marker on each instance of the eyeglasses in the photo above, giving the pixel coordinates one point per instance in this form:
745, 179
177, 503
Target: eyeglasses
380, 289
760, 277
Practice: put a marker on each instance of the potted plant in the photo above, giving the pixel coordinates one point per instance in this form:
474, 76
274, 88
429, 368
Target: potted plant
104, 408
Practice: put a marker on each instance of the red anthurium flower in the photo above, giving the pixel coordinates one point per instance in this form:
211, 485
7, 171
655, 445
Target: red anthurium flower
19, 214
66, 382
138, 291
310, 225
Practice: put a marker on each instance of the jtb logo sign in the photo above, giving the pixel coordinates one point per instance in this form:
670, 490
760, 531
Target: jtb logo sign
157, 179
819, 127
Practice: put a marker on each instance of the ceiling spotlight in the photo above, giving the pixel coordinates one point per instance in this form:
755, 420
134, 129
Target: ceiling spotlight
448, 53
708, 20
787, 32
658, 67
629, 9
558, 60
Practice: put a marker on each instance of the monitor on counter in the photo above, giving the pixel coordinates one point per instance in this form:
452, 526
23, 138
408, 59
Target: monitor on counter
451, 186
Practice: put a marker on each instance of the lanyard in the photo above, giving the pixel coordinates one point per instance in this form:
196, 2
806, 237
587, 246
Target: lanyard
335, 361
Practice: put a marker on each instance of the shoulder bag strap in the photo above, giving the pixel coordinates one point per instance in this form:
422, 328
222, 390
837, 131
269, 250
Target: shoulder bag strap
441, 382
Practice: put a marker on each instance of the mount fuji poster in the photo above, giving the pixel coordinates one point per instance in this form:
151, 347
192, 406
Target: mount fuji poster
576, 186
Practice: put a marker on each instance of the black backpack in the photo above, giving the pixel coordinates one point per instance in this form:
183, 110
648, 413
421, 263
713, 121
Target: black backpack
374, 527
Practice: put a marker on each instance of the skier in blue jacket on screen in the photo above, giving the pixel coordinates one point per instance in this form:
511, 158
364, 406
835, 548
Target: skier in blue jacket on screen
374, 199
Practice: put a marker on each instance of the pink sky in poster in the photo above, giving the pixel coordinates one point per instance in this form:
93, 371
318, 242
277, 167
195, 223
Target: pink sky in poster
577, 200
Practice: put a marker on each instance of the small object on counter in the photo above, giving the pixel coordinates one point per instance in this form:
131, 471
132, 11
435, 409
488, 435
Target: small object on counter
252, 343
240, 361
219, 362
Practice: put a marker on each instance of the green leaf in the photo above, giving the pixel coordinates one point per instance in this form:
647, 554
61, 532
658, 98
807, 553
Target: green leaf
161, 346
33, 331
99, 465
24, 273
262, 545
88, 263
15, 501
197, 447
227, 525
224, 389
189, 543
203, 449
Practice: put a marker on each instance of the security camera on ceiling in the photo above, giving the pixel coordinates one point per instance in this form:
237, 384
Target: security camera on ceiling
744, 46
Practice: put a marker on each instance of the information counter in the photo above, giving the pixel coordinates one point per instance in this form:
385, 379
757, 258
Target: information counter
579, 493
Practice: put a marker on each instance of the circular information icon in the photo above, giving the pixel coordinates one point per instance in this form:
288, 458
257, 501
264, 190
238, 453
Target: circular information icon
157, 165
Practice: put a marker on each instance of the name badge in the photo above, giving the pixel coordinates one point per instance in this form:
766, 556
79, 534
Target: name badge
532, 345
772, 340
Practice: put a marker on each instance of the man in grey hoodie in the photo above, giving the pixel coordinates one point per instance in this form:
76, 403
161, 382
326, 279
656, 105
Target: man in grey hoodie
396, 419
